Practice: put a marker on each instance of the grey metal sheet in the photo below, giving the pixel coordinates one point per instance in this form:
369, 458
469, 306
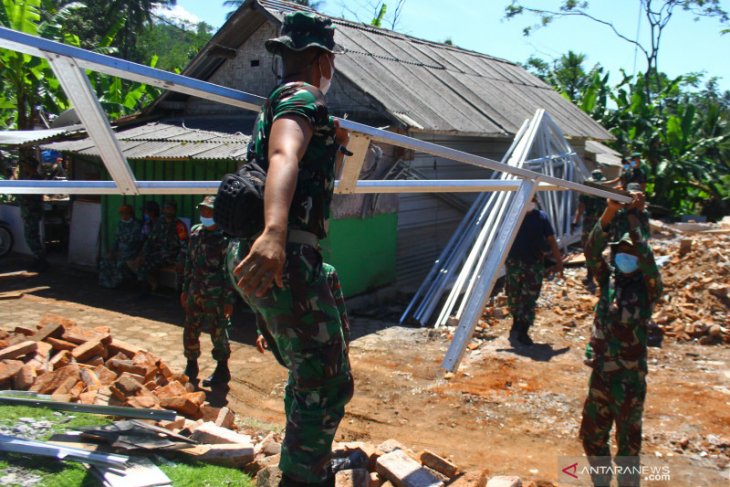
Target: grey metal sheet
436, 85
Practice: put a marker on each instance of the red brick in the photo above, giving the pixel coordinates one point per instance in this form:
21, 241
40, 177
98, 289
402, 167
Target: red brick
61, 359
19, 350
165, 370
24, 378
50, 381
197, 398
79, 335
50, 318
4, 334
59, 344
209, 413
88, 397
173, 389
125, 386
87, 350
8, 369
225, 418
142, 402
106, 376
89, 377
66, 386
76, 391
181, 404
118, 346
22, 330
47, 331
95, 361
121, 366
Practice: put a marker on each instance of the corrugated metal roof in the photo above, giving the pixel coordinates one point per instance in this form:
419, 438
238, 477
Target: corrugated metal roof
27, 137
166, 141
443, 88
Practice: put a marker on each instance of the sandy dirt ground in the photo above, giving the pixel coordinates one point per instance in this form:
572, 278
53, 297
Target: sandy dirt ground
509, 411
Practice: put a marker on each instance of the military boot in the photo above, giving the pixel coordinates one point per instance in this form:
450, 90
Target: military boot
221, 375
191, 370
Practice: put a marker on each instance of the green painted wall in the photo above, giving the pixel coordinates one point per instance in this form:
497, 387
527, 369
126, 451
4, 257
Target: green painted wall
363, 251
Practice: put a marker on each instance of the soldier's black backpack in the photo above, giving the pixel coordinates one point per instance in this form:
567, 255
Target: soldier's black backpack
239, 205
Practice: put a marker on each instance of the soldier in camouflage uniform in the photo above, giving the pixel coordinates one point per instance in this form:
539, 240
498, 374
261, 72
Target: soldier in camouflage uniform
280, 274
163, 247
525, 269
31, 212
633, 173
127, 244
590, 208
617, 352
207, 295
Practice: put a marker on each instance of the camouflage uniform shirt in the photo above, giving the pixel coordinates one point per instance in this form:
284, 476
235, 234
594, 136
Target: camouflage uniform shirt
205, 280
310, 207
618, 340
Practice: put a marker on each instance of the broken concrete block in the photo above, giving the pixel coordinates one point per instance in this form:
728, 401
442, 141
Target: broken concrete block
19, 350
8, 369
214, 435
390, 445
404, 471
505, 481
358, 477
225, 418
439, 464
270, 445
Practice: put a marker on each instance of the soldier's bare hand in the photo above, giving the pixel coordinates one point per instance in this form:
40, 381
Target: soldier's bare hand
263, 266
227, 310
638, 200
261, 344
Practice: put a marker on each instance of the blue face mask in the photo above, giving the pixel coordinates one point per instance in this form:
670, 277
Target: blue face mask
626, 263
207, 222
626, 166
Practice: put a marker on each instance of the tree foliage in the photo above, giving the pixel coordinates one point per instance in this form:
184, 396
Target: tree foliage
657, 13
682, 131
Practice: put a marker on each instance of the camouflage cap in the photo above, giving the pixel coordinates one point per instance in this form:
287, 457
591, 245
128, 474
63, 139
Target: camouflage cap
208, 202
301, 30
625, 238
597, 175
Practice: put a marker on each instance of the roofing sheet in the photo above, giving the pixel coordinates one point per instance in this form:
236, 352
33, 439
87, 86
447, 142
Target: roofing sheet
444, 88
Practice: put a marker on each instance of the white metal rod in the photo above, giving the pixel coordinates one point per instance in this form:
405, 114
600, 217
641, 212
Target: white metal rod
38, 46
488, 274
76, 85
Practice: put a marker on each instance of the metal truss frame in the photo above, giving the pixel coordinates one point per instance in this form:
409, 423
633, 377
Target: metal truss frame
69, 63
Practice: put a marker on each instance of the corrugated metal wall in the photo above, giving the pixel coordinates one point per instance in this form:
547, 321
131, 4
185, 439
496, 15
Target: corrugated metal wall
150, 170
425, 221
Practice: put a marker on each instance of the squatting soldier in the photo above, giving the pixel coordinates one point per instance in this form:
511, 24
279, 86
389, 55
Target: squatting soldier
296, 141
31, 211
590, 208
630, 287
207, 295
163, 247
113, 269
525, 269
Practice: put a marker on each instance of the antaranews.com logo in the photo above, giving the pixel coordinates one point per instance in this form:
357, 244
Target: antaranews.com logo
600, 471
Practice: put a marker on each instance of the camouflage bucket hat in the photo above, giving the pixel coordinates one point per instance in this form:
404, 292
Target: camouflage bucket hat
597, 175
301, 30
208, 202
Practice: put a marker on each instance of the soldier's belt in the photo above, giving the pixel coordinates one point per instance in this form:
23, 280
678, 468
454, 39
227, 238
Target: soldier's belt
302, 237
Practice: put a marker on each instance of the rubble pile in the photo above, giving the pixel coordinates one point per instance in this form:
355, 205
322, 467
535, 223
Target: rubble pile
696, 288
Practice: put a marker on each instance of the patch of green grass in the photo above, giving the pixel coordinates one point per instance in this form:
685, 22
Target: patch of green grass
185, 472
182, 471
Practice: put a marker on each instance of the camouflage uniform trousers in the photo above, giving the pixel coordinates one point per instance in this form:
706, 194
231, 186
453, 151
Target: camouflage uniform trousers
210, 320
614, 397
523, 285
588, 224
303, 327
32, 216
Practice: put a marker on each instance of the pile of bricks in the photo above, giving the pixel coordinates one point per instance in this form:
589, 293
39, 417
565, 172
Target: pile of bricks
89, 366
